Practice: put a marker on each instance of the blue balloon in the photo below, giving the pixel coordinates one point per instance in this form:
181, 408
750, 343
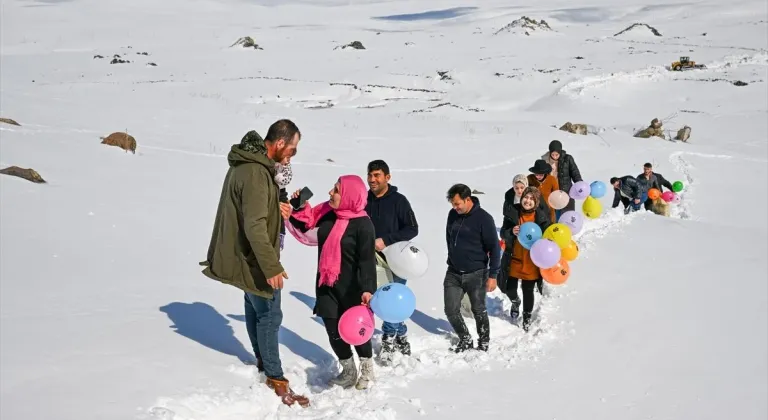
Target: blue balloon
393, 302
529, 233
597, 189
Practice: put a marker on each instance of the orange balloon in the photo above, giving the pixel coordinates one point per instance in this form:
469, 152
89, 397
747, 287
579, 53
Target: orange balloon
502, 244
654, 193
570, 252
557, 274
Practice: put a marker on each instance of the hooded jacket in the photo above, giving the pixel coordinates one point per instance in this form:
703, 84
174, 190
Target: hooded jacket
392, 216
629, 187
472, 241
245, 244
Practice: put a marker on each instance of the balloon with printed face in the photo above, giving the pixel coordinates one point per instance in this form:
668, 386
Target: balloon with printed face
559, 234
406, 259
557, 274
529, 233
393, 302
570, 252
592, 208
580, 190
545, 253
654, 193
356, 325
573, 220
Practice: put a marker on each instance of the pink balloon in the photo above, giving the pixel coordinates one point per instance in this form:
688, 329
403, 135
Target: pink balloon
558, 199
668, 196
356, 325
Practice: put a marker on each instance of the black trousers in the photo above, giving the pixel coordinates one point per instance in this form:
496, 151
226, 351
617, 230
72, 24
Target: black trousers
473, 284
343, 350
528, 287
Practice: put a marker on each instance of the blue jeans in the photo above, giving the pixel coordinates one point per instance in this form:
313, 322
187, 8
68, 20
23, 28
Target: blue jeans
398, 329
262, 319
638, 206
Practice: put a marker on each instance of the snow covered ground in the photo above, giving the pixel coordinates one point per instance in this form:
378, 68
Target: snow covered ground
104, 313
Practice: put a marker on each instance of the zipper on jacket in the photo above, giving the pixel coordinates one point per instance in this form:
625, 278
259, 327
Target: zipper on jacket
456, 239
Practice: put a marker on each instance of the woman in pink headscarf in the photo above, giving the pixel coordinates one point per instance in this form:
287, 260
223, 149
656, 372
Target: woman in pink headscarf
346, 269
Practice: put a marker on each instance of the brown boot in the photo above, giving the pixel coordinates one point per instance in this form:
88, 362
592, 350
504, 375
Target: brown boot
285, 392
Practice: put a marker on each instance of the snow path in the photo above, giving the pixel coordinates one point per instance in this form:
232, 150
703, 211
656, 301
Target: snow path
431, 357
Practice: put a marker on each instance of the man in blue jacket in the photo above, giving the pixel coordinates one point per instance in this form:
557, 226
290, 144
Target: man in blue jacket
394, 221
474, 256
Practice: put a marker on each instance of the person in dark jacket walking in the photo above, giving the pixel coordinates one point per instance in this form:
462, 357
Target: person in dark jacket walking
628, 191
394, 221
651, 179
245, 244
346, 269
473, 264
566, 171
516, 263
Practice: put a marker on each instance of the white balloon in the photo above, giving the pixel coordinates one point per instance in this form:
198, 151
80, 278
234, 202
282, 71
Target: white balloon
406, 259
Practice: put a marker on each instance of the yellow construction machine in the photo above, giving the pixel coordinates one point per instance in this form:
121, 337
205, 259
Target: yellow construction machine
685, 63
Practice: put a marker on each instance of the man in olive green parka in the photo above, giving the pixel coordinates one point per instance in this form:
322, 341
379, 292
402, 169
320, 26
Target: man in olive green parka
245, 245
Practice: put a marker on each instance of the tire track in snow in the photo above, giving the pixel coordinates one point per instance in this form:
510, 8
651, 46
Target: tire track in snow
431, 359
683, 166
577, 87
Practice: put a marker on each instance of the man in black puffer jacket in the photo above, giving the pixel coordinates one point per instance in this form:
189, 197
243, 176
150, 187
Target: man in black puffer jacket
629, 192
565, 169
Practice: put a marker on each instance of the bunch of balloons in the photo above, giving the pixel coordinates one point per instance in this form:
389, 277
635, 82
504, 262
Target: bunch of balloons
392, 302
552, 249
590, 193
668, 196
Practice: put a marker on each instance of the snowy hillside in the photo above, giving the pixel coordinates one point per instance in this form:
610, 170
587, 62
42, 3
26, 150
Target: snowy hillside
104, 313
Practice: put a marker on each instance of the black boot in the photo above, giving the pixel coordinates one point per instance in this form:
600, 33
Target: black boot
483, 334
514, 312
526, 321
402, 345
387, 349
464, 344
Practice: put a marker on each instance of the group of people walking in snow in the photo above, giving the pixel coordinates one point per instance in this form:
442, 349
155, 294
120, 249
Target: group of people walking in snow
352, 227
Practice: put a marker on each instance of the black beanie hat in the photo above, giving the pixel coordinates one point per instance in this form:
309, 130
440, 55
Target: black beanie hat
555, 146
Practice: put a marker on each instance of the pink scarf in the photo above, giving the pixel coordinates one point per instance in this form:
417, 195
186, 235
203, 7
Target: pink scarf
354, 197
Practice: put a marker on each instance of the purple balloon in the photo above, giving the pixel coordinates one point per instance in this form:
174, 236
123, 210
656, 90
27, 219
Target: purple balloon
580, 190
573, 220
545, 253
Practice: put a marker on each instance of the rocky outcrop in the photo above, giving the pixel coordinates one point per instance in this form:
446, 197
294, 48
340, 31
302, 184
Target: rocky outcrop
639, 25
9, 121
575, 128
246, 42
26, 173
122, 140
525, 25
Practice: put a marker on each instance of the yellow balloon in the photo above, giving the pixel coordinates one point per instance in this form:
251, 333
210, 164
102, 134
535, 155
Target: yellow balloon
570, 252
558, 233
592, 207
